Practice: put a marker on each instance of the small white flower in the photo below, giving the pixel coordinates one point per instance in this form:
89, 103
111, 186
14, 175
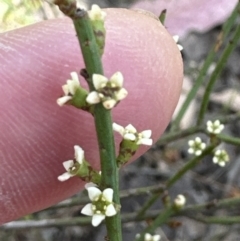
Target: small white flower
130, 133
102, 205
196, 146
215, 127
176, 38
96, 13
180, 201
71, 166
69, 89
221, 157
149, 237
109, 92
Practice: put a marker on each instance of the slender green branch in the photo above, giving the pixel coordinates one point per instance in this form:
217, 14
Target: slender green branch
160, 219
173, 136
216, 73
128, 217
102, 117
200, 79
103, 123
189, 165
215, 204
225, 220
229, 139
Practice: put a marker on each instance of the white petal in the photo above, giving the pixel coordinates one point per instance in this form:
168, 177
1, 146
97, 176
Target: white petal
129, 136
93, 98
118, 128
99, 81
121, 94
110, 211
108, 194
180, 47
175, 38
198, 153
146, 133
117, 78
198, 140
87, 210
156, 237
191, 143
65, 89
145, 141
209, 123
63, 100
191, 150
147, 237
97, 219
93, 192
130, 128
222, 164
109, 104
65, 176
74, 76
71, 87
215, 160
203, 146
79, 154
68, 164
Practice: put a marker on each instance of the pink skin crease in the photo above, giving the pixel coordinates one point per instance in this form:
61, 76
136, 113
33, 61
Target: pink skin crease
37, 135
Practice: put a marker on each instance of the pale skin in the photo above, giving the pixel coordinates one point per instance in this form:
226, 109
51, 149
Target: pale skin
37, 135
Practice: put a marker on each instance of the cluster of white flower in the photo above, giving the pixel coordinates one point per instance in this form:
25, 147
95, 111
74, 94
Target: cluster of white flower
69, 89
130, 133
109, 92
176, 38
71, 166
196, 146
215, 127
220, 157
102, 204
149, 237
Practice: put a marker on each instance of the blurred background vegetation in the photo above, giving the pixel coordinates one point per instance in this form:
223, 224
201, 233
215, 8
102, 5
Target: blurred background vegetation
18, 13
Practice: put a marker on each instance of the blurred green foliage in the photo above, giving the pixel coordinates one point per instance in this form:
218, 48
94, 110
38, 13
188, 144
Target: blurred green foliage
17, 13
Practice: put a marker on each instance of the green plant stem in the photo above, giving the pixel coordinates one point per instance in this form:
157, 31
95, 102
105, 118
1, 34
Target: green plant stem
160, 219
200, 79
102, 117
189, 165
162, 16
103, 124
229, 139
173, 136
225, 220
219, 68
224, 203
